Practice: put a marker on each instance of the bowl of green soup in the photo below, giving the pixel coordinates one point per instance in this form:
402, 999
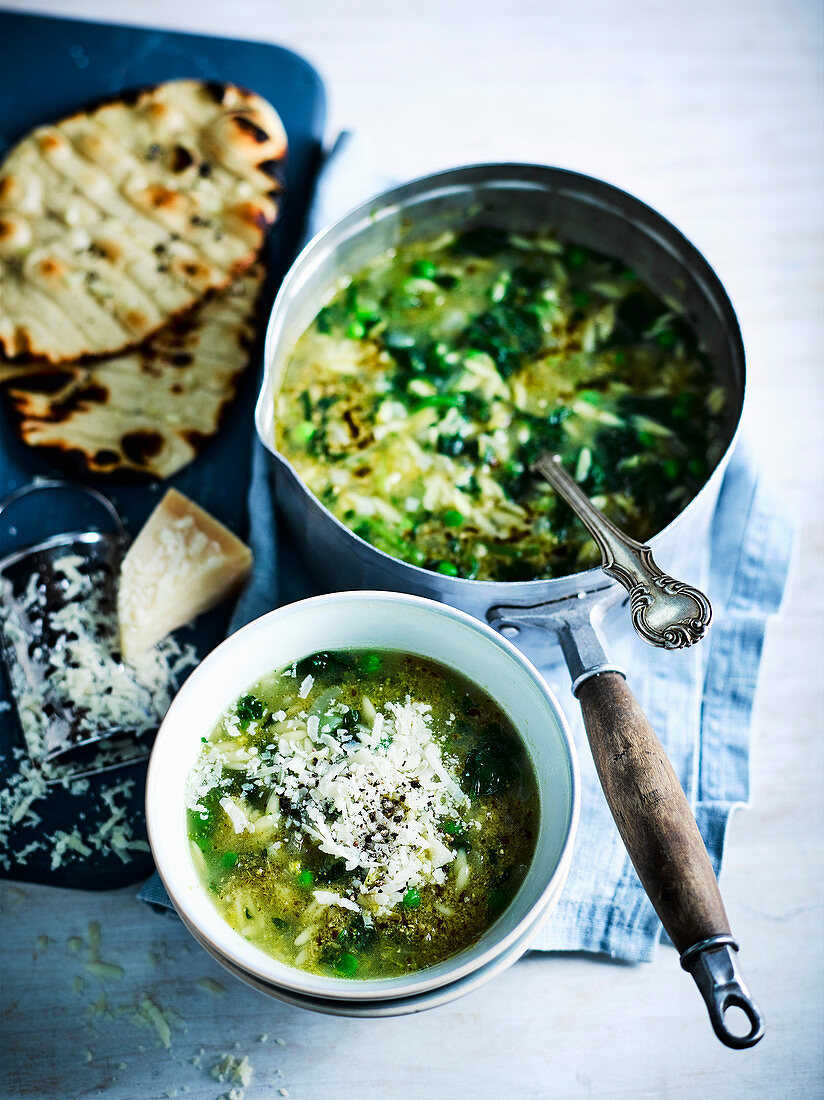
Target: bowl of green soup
365, 797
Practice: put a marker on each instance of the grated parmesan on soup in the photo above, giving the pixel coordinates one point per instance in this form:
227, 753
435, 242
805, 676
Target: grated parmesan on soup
374, 800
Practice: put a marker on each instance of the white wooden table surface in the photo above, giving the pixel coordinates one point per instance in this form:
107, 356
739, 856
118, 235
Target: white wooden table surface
713, 114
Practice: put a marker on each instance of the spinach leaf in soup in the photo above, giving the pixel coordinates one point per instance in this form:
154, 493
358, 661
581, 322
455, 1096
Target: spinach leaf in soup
362, 813
417, 401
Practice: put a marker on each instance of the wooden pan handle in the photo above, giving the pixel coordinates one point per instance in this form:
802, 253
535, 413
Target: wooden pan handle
652, 813
660, 833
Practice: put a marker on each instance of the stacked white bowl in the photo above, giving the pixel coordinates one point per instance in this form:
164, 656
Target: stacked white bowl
359, 620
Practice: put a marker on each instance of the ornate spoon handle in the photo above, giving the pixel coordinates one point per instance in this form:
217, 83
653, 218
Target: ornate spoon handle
665, 612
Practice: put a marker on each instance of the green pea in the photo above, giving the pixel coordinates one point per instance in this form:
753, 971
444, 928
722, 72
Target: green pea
619, 358
697, 467
370, 662
453, 518
412, 899
306, 879
683, 406
304, 431
346, 964
592, 397
666, 338
229, 859
356, 330
576, 256
447, 568
646, 439
671, 467
580, 299
424, 269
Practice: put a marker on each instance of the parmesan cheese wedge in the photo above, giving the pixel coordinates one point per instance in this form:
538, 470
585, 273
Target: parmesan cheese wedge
182, 563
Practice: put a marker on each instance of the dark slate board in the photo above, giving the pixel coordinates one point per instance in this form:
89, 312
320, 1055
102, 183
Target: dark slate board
51, 67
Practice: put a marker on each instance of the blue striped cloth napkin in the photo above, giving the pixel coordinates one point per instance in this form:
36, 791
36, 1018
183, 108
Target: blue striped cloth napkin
699, 701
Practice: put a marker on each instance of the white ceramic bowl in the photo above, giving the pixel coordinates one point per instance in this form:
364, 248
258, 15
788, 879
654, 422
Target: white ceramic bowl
379, 620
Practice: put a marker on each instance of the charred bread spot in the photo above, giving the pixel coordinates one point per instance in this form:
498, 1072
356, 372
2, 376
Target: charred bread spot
91, 394
47, 381
181, 159
135, 319
107, 250
51, 269
161, 197
255, 132
140, 446
197, 440
197, 272
105, 457
216, 90
252, 214
49, 142
275, 170
181, 359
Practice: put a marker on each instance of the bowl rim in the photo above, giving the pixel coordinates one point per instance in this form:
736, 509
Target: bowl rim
281, 974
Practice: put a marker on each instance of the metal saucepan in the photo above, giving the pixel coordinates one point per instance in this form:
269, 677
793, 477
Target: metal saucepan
643, 793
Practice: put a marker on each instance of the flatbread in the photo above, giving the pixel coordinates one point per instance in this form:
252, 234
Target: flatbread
146, 413
117, 219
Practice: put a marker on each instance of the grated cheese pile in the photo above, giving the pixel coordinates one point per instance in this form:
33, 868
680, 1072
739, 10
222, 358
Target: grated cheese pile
80, 674
373, 798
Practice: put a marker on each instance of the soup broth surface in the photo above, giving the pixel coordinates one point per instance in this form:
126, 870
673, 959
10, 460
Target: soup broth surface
417, 400
362, 813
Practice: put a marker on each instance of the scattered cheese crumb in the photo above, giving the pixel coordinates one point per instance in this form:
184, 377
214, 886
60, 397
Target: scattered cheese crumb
209, 985
104, 969
230, 1068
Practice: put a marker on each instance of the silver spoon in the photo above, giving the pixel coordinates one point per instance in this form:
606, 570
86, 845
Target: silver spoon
665, 612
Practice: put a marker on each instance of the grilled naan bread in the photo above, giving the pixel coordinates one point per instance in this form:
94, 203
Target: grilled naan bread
115, 220
145, 413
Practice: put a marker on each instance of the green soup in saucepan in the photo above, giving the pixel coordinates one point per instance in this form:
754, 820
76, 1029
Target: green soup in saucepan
362, 813
416, 401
